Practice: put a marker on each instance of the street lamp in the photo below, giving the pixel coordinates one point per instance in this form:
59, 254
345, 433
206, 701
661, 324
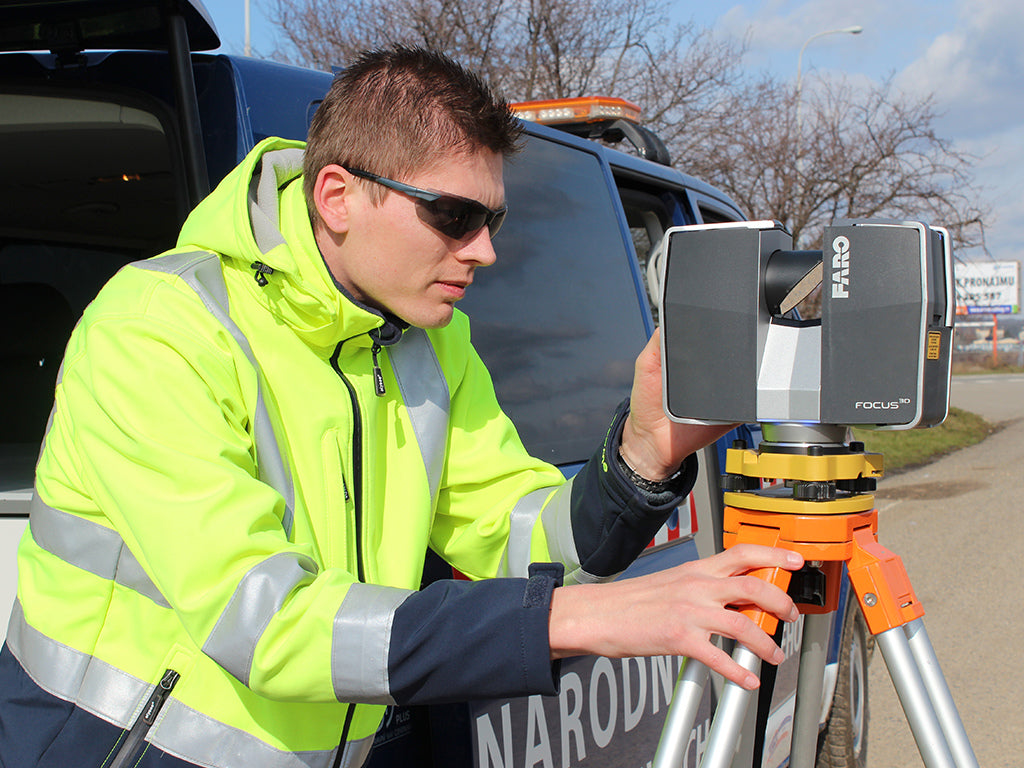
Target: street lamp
854, 30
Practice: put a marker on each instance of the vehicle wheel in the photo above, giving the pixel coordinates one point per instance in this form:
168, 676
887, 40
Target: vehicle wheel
844, 741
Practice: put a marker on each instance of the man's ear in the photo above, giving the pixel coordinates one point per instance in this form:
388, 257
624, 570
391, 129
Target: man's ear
331, 196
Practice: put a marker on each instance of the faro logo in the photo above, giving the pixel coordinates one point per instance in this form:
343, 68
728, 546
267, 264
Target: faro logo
841, 268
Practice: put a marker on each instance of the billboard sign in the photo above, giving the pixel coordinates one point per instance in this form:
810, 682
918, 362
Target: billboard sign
990, 287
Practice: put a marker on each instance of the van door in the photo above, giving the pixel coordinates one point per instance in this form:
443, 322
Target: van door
93, 178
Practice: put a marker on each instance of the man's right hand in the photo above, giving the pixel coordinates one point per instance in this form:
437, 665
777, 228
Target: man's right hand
676, 612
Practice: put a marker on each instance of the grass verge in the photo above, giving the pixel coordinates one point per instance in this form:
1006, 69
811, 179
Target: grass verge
908, 448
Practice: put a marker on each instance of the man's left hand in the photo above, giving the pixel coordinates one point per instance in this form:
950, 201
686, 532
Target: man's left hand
653, 445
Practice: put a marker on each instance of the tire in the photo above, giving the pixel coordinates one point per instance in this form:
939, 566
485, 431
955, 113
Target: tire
844, 741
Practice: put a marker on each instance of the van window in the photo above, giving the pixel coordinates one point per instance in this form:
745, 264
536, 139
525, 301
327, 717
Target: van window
650, 211
558, 319
88, 185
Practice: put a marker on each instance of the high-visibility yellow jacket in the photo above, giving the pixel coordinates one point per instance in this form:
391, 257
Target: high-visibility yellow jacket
243, 472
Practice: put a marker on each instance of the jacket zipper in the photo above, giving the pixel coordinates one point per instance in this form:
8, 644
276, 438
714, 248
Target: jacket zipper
128, 752
357, 495
357, 482
357, 462
344, 736
384, 336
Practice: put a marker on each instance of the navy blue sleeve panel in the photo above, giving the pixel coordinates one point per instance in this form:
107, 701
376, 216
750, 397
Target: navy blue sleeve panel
460, 640
613, 520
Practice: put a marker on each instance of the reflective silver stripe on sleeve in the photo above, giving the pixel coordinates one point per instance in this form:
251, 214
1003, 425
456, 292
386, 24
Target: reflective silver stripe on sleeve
516, 559
362, 643
579, 576
556, 518
91, 547
258, 596
425, 394
117, 697
201, 271
552, 506
557, 521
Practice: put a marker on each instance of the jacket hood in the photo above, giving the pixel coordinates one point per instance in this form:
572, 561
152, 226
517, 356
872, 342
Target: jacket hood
257, 216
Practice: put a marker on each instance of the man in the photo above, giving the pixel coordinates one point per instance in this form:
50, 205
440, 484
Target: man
257, 436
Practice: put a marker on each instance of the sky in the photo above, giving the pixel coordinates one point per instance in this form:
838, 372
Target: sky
967, 53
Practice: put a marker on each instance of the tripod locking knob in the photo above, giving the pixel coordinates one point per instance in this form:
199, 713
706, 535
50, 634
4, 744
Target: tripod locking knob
814, 490
858, 484
734, 482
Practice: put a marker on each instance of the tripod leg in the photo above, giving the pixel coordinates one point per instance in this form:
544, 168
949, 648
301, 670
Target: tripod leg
725, 729
893, 615
938, 692
813, 649
913, 696
682, 713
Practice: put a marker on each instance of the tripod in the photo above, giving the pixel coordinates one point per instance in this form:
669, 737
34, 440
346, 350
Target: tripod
824, 511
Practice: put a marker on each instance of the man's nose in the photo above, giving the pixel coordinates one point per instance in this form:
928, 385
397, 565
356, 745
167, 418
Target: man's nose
478, 249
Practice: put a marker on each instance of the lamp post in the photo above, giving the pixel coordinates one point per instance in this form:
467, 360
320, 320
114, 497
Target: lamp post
248, 39
854, 30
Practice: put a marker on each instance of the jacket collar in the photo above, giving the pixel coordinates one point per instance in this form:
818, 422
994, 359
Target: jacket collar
257, 219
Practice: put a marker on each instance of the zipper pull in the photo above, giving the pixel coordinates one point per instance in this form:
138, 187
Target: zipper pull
134, 742
378, 375
262, 270
156, 701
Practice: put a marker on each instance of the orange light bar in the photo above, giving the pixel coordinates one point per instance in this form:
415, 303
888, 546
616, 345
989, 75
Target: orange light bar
583, 109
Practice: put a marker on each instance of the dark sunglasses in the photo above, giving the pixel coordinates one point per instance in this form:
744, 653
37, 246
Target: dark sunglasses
452, 216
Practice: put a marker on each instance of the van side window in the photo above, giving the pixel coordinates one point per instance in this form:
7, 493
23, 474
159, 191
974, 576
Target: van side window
556, 318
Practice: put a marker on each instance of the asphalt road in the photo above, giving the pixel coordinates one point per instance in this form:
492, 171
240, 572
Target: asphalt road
957, 526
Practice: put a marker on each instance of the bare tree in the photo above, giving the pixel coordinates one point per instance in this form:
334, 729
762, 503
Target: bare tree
532, 49
326, 33
865, 151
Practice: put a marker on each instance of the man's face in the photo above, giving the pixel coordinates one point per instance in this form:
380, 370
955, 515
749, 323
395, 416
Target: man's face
388, 258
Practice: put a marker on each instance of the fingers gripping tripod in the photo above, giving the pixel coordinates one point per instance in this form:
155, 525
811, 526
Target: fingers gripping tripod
825, 511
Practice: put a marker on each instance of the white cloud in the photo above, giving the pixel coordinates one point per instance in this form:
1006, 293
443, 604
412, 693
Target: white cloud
975, 69
999, 174
895, 32
966, 53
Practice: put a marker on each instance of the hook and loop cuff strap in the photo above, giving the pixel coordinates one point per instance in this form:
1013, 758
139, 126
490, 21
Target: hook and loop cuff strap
544, 577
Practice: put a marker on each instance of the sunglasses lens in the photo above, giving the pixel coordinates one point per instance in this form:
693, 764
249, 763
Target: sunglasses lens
496, 221
457, 218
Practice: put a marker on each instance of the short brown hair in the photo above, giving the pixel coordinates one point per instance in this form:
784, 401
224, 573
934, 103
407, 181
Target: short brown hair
397, 109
